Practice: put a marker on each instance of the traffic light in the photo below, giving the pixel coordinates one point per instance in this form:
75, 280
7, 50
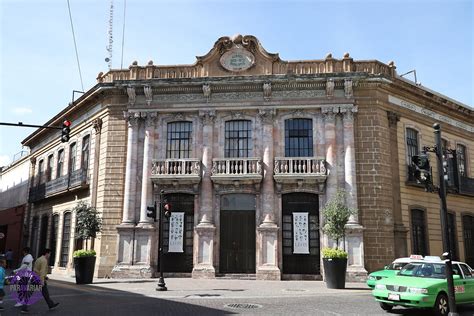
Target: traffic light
151, 211
422, 168
167, 209
65, 131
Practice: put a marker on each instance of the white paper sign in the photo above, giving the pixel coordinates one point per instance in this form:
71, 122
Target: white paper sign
176, 232
300, 233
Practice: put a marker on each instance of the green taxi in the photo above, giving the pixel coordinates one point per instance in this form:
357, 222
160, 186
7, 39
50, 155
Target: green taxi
392, 269
424, 285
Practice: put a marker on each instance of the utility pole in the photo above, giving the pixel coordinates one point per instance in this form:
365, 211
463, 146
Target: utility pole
444, 222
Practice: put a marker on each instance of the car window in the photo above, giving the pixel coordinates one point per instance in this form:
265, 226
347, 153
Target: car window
466, 271
456, 270
397, 265
424, 270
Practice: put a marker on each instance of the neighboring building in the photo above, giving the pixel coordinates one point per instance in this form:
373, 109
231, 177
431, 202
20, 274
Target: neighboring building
13, 205
248, 148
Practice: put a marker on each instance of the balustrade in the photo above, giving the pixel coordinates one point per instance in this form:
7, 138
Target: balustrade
300, 165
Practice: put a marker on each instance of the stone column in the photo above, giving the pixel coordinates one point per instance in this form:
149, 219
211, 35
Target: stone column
329, 114
267, 237
205, 230
147, 186
400, 231
97, 125
130, 171
354, 231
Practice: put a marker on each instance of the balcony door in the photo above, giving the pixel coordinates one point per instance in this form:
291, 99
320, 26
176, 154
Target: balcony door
237, 233
468, 234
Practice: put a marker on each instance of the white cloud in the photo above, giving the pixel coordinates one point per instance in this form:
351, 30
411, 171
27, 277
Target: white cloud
22, 110
4, 160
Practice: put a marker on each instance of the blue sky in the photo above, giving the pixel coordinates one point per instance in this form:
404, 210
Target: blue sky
38, 69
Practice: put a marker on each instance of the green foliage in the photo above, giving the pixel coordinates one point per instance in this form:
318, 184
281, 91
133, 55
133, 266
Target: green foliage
331, 253
88, 222
336, 215
84, 253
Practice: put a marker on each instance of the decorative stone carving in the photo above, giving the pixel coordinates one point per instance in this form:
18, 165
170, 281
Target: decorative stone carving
150, 118
348, 92
298, 113
131, 95
267, 91
206, 90
179, 116
207, 117
33, 161
132, 118
236, 115
97, 125
330, 88
348, 112
329, 113
393, 118
267, 115
148, 94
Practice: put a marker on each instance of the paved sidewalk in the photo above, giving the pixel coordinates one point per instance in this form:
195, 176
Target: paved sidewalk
179, 288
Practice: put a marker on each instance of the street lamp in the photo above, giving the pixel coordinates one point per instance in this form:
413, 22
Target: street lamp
165, 208
444, 221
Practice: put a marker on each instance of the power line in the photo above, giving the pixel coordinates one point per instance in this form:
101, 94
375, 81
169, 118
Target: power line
75, 46
123, 30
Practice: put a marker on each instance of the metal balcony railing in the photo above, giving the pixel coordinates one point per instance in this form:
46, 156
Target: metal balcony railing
73, 180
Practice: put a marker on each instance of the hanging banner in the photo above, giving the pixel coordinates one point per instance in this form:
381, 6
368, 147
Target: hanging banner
300, 233
176, 232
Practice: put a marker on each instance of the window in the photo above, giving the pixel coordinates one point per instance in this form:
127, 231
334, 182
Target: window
179, 140
72, 157
299, 138
452, 235
49, 171
60, 164
418, 232
85, 153
41, 171
54, 238
468, 235
461, 155
43, 234
444, 144
467, 273
65, 240
238, 139
412, 143
34, 235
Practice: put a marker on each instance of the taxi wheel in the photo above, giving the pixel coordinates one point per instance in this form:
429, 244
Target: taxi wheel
441, 307
386, 307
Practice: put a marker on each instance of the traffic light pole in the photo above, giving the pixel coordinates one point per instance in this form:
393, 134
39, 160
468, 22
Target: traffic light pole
161, 281
444, 221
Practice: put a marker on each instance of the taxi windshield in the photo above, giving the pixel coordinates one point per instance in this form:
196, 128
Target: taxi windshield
397, 265
424, 270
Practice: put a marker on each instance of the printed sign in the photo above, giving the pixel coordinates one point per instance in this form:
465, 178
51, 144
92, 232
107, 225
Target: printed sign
176, 232
25, 287
300, 233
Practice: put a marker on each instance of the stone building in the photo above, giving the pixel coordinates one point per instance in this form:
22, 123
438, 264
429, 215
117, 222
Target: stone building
248, 148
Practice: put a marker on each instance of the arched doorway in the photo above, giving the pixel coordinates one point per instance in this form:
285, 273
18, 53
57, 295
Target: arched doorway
300, 227
237, 233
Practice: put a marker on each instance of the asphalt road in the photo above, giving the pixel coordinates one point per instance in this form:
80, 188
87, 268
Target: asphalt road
104, 301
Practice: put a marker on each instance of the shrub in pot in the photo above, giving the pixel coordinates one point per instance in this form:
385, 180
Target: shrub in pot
88, 224
335, 215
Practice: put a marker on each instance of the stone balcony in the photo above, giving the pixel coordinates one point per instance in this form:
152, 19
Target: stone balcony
236, 170
300, 171
176, 171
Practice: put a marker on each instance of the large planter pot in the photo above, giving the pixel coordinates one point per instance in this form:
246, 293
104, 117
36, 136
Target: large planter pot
335, 272
84, 267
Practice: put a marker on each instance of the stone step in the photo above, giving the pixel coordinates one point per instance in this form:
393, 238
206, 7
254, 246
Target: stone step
236, 276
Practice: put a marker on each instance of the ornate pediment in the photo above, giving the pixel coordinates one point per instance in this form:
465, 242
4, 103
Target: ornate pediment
239, 55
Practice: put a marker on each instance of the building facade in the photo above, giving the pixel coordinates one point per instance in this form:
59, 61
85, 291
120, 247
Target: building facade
248, 148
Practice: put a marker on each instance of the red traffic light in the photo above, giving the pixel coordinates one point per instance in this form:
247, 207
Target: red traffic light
167, 207
67, 123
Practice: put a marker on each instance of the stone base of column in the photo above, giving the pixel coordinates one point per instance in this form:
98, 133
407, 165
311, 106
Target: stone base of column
267, 252
356, 271
125, 271
204, 254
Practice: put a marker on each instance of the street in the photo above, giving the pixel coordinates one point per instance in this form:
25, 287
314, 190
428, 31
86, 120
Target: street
209, 297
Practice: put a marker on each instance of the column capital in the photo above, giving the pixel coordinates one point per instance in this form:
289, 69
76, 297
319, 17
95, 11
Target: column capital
267, 115
207, 117
348, 113
329, 113
149, 118
132, 118
393, 118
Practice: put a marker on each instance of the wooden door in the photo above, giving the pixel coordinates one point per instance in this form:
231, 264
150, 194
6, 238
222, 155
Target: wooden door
468, 232
237, 253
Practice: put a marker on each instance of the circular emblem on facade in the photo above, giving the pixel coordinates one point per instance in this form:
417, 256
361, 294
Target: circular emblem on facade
25, 287
237, 60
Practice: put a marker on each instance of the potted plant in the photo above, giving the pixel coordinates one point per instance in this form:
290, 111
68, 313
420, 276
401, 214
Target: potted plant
335, 215
88, 224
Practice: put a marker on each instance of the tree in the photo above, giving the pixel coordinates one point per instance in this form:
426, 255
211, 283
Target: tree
336, 215
88, 221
